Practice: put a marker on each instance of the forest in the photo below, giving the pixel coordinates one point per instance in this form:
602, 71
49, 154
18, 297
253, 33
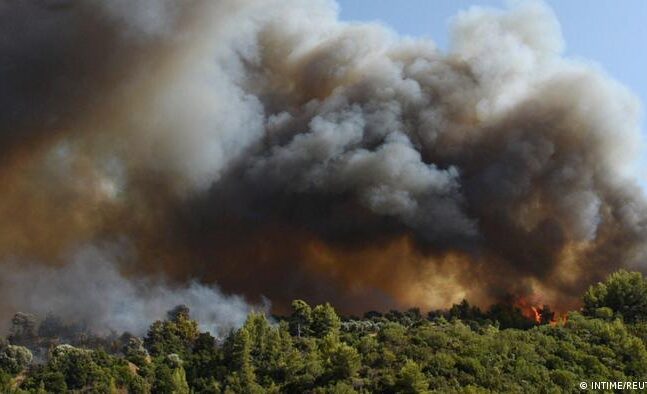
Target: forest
314, 350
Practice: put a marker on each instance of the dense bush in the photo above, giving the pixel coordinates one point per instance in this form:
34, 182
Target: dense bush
623, 294
14, 359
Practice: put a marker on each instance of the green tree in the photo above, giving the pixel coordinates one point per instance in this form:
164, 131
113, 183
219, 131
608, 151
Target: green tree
301, 318
345, 361
174, 335
5, 381
411, 379
170, 376
163, 382
14, 359
242, 378
135, 352
341, 360
303, 365
54, 382
203, 366
180, 384
187, 329
625, 293
75, 364
325, 321
337, 388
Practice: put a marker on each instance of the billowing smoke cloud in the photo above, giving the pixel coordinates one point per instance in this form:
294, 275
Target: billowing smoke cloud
269, 148
90, 290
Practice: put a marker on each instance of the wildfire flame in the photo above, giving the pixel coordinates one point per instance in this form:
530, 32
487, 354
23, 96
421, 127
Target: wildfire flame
529, 307
536, 314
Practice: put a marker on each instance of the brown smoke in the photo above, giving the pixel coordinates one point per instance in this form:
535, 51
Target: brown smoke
266, 147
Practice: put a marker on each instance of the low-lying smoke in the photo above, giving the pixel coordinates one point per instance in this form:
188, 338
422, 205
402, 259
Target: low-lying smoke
271, 149
90, 290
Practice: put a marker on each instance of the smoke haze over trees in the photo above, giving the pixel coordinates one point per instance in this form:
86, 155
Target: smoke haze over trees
313, 350
159, 152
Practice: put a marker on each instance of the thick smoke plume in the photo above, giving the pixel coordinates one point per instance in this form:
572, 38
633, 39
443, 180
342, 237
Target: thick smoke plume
268, 148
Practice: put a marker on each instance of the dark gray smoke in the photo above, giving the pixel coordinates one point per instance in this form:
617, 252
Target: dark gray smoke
270, 148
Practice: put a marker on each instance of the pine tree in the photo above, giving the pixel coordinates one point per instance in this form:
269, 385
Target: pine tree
180, 385
301, 318
242, 378
411, 380
325, 321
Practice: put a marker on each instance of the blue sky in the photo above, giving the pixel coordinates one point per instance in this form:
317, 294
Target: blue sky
611, 33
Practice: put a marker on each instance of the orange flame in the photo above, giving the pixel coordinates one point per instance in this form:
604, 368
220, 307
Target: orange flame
536, 314
531, 309
527, 308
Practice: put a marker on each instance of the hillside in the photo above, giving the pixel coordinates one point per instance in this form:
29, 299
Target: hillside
315, 351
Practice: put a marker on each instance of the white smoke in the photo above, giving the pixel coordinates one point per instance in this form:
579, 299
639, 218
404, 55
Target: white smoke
91, 290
